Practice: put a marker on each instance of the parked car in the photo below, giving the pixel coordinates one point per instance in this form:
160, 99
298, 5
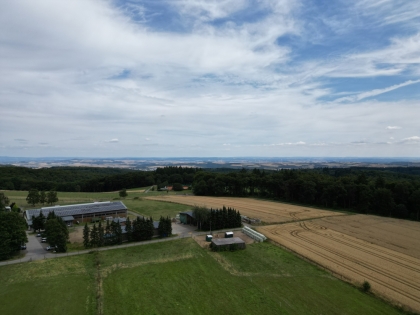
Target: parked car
38, 235
43, 240
23, 246
50, 248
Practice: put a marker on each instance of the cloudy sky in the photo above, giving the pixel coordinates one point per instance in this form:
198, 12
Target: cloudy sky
170, 78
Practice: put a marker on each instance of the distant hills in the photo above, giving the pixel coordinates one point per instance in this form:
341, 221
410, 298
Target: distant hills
272, 163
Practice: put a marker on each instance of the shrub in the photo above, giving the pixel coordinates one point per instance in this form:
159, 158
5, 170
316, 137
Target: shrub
366, 286
177, 187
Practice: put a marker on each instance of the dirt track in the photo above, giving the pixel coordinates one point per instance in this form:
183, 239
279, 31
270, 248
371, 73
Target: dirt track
266, 211
393, 275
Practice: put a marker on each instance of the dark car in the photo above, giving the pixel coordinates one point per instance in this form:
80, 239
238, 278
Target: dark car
23, 246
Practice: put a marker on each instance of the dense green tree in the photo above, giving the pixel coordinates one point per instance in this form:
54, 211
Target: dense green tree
116, 233
415, 203
383, 202
94, 236
129, 230
175, 178
123, 193
42, 197
38, 222
200, 215
12, 233
177, 187
4, 201
101, 233
107, 234
33, 197
86, 236
57, 233
165, 227
52, 197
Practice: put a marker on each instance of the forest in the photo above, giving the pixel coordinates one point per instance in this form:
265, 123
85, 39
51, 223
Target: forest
389, 192
90, 179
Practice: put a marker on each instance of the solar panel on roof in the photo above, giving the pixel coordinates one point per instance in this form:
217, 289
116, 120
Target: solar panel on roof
78, 209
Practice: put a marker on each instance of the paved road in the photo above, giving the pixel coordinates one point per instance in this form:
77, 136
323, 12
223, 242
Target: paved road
36, 251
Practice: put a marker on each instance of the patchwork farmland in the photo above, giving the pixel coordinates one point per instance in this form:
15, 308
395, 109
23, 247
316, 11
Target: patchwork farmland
383, 251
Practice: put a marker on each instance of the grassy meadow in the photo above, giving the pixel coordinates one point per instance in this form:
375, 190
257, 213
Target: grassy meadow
179, 277
134, 201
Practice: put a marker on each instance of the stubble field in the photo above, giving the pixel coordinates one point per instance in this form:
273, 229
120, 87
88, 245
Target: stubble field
266, 211
393, 275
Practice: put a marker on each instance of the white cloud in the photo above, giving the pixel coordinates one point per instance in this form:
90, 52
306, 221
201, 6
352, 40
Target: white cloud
393, 127
411, 140
235, 81
375, 92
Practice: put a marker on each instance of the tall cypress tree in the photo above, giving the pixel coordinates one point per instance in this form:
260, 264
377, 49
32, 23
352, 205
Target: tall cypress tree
129, 229
86, 240
94, 237
100, 235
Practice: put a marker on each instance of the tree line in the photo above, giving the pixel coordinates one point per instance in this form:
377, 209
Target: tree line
35, 196
374, 192
86, 179
216, 219
140, 229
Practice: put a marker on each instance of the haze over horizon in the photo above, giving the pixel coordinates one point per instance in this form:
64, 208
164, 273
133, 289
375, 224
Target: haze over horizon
200, 78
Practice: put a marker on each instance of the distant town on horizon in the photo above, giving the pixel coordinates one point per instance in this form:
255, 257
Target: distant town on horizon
270, 163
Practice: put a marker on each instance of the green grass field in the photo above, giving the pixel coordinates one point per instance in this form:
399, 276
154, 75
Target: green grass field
179, 277
138, 205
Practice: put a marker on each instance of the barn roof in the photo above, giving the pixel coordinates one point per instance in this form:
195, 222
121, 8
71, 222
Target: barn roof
79, 209
227, 241
190, 213
68, 218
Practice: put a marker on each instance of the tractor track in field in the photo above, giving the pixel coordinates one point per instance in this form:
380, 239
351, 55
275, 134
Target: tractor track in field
366, 265
314, 247
385, 256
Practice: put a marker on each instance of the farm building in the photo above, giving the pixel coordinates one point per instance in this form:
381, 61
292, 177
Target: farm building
187, 217
86, 212
232, 243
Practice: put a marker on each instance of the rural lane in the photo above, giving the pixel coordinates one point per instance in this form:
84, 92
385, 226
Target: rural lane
35, 250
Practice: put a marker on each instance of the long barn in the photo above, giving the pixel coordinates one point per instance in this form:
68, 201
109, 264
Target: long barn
86, 212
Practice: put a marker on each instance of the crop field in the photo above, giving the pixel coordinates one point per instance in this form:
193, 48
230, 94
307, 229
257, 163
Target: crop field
399, 235
392, 274
266, 211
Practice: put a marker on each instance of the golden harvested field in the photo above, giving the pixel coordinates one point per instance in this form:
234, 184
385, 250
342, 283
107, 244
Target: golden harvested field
402, 236
266, 211
392, 274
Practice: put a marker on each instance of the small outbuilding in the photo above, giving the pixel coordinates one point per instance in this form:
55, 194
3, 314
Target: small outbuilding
225, 244
228, 234
187, 217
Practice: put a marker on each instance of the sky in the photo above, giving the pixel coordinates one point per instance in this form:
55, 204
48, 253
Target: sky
204, 78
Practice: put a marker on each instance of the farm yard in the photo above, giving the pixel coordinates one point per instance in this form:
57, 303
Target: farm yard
393, 275
266, 211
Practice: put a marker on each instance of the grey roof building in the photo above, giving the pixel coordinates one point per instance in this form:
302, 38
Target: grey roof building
80, 212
